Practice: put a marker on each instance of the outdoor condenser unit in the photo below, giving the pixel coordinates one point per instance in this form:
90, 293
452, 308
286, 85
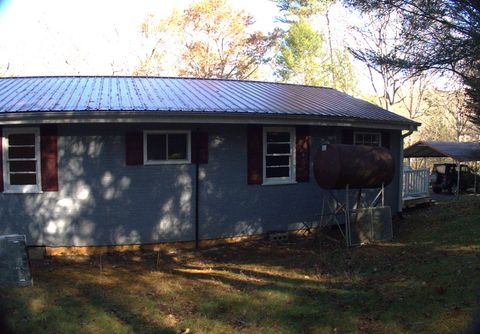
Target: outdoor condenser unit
14, 261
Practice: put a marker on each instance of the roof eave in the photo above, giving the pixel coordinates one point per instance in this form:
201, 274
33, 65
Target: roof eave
190, 117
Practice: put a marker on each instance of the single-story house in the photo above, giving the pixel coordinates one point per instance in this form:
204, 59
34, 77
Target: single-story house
138, 160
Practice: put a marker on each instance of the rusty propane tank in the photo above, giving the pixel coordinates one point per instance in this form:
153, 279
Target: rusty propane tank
359, 166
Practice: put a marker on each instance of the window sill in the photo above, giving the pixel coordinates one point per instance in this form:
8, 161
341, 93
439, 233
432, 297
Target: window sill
167, 162
20, 192
278, 183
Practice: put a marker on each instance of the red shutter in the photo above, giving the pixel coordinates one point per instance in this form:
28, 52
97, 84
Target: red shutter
1, 159
199, 148
134, 148
49, 160
347, 136
302, 148
255, 154
386, 140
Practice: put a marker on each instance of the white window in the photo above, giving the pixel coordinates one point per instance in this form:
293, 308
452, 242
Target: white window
278, 155
166, 147
21, 160
367, 138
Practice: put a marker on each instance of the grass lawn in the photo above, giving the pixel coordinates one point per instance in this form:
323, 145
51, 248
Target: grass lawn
427, 280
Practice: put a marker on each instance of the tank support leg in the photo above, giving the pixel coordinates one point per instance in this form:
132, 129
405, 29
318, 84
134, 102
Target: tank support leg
347, 217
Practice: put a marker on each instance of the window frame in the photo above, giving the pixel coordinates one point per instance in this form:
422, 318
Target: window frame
280, 180
166, 161
27, 188
371, 133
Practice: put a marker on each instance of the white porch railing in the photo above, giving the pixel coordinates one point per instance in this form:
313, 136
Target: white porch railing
415, 182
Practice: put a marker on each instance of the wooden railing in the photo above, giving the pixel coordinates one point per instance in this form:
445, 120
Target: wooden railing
415, 182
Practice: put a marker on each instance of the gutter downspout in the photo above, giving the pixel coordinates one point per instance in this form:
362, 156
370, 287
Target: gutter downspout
197, 193
475, 186
197, 225
458, 180
400, 178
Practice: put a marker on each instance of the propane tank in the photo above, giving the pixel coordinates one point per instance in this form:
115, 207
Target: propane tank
359, 166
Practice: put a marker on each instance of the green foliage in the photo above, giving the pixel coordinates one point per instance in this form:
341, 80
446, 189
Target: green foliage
306, 56
293, 9
301, 55
342, 75
472, 83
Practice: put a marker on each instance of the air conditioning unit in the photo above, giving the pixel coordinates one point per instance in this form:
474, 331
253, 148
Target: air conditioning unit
370, 224
14, 261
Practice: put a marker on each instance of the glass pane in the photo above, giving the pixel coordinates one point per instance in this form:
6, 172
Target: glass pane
177, 146
21, 152
157, 147
278, 161
23, 179
278, 137
22, 139
278, 148
23, 166
277, 172
367, 139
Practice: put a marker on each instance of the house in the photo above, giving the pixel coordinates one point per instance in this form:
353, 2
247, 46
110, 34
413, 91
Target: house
140, 160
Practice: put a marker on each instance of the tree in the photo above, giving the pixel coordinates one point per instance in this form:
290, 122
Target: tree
216, 41
304, 50
301, 55
442, 35
414, 96
376, 39
341, 70
472, 89
293, 9
452, 105
161, 38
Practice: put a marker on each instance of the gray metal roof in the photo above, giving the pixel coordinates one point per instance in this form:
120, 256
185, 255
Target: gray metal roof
156, 94
469, 151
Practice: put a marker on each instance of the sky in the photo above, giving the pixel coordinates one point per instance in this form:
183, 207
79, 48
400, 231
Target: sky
86, 37
103, 37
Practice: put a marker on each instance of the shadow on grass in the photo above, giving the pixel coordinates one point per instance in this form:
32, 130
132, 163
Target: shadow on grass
425, 281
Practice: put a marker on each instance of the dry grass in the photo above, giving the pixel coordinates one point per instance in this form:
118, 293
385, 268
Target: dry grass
426, 281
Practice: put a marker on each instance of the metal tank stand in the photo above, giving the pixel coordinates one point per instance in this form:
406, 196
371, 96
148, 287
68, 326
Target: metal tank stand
333, 206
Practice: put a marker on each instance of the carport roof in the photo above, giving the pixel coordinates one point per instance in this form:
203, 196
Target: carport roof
469, 151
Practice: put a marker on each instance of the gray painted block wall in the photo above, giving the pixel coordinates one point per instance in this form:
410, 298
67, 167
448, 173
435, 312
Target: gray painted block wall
102, 201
